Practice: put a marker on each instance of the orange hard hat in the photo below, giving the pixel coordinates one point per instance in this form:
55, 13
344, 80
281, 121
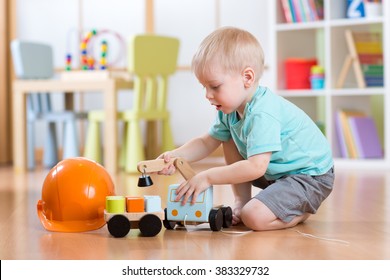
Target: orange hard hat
74, 196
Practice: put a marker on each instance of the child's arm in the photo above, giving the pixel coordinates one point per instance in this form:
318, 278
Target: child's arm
197, 148
194, 150
238, 172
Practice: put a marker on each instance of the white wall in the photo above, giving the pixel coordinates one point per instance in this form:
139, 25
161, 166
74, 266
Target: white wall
56, 21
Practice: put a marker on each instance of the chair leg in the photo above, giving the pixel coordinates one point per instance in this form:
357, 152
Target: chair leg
93, 143
167, 136
152, 140
50, 154
123, 149
135, 148
30, 145
70, 143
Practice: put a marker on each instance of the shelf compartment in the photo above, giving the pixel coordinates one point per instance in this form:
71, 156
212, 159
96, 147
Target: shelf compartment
339, 51
370, 105
293, 39
325, 40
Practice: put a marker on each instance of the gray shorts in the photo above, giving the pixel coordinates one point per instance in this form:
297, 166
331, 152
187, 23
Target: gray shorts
294, 195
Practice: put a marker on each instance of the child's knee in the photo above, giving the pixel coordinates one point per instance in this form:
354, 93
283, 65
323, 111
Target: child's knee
257, 216
249, 218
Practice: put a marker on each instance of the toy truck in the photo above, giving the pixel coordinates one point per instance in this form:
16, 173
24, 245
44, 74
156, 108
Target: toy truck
200, 212
125, 213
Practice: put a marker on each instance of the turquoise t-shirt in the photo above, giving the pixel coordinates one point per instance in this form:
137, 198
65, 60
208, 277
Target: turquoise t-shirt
273, 124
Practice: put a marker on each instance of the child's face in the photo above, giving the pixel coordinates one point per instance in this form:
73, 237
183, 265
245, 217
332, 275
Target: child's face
226, 91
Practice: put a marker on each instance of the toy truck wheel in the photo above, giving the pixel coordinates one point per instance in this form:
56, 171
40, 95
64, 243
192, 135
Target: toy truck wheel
216, 219
168, 224
118, 226
150, 225
227, 216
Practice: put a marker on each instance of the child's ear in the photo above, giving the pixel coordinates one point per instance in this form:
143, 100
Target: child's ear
248, 76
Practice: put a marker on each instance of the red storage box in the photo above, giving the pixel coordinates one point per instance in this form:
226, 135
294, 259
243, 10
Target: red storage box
297, 71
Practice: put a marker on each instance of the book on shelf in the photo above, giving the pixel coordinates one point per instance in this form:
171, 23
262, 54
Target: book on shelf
347, 145
287, 11
298, 4
370, 54
319, 8
365, 136
340, 136
302, 10
357, 135
305, 7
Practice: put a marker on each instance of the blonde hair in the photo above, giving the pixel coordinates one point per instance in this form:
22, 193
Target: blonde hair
233, 49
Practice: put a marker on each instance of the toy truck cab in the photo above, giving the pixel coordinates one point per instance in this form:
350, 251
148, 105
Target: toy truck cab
200, 212
197, 212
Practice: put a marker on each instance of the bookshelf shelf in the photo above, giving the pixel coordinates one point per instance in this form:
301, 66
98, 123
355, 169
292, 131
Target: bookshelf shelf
324, 40
302, 93
358, 91
300, 26
352, 22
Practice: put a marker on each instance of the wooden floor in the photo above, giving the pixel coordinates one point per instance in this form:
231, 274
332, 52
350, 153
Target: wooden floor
352, 224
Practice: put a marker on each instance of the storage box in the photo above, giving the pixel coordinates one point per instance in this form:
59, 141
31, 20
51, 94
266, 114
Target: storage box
297, 72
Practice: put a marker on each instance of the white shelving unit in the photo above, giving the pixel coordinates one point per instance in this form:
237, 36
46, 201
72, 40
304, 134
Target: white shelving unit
325, 40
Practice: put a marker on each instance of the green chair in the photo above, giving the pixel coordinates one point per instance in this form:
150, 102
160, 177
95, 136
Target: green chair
152, 60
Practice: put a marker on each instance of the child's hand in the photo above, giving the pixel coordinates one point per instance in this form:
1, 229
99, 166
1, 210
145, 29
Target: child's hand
237, 214
170, 168
194, 187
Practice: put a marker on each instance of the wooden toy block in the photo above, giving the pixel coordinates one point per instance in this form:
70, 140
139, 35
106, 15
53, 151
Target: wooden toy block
115, 204
135, 204
152, 203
